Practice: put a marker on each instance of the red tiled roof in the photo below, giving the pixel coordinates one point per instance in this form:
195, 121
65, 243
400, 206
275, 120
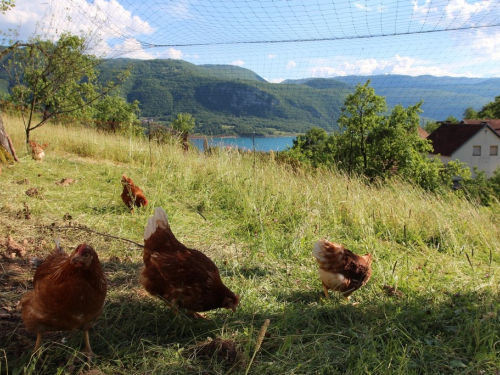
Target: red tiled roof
422, 133
449, 137
494, 123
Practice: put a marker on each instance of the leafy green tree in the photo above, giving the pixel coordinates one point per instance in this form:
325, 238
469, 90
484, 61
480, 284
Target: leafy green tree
313, 148
184, 123
491, 110
51, 79
379, 146
5, 5
454, 174
452, 119
495, 182
113, 113
395, 146
431, 126
479, 189
360, 114
470, 114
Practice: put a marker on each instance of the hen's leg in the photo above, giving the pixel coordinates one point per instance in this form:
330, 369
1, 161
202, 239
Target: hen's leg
88, 349
327, 296
347, 296
38, 341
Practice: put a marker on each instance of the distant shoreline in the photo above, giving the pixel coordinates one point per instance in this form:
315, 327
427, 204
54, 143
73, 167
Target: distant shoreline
198, 136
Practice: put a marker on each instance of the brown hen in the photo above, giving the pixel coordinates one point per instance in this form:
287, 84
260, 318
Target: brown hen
340, 269
132, 194
68, 294
183, 277
37, 152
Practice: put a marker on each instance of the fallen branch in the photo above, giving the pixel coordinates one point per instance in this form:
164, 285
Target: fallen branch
81, 227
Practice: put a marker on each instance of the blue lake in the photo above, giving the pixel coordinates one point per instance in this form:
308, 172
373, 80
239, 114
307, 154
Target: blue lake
247, 143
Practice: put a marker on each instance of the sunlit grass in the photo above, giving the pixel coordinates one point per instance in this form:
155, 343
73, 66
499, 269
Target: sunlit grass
258, 220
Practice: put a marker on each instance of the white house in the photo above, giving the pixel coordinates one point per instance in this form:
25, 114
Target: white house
474, 144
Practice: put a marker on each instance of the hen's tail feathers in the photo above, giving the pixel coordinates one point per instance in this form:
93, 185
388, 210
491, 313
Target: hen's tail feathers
318, 250
58, 245
158, 219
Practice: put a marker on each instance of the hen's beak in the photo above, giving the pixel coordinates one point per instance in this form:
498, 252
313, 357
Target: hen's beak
76, 259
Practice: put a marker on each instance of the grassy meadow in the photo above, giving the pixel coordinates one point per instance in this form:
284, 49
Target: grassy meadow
257, 219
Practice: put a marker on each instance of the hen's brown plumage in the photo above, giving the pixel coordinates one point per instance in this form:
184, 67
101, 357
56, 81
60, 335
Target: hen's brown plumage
340, 269
182, 277
132, 194
37, 152
68, 294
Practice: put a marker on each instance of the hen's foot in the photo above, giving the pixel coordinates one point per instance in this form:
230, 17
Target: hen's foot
196, 315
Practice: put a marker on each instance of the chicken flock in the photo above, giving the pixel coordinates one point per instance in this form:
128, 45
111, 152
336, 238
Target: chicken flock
69, 291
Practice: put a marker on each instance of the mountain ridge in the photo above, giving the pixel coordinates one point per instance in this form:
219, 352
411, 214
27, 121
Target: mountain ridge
228, 99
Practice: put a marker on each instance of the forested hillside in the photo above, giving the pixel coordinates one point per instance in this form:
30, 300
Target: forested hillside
442, 96
226, 99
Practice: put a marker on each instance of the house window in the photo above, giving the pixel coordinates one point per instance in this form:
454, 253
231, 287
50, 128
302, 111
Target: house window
476, 151
493, 150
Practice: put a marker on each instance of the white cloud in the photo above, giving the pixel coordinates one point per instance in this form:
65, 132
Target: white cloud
362, 7
135, 48
179, 9
24, 17
466, 12
271, 56
403, 65
131, 48
486, 46
424, 10
291, 64
238, 63
380, 8
101, 21
173, 53
455, 13
275, 80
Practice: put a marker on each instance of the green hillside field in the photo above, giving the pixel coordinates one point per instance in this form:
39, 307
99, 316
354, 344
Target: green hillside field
431, 306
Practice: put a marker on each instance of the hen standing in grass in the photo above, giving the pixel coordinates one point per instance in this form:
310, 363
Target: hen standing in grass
340, 269
68, 293
181, 276
37, 152
132, 194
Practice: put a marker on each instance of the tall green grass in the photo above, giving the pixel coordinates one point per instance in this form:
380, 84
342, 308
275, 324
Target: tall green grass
258, 219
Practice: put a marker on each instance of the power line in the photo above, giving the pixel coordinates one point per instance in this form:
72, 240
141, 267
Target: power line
151, 45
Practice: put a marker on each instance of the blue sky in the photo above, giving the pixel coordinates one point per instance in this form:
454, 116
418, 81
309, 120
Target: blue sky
282, 39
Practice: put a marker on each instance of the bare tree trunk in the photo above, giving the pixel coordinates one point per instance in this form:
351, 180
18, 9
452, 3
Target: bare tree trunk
6, 144
185, 141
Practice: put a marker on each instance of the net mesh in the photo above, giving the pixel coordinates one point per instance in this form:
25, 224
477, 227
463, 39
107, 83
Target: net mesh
282, 40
